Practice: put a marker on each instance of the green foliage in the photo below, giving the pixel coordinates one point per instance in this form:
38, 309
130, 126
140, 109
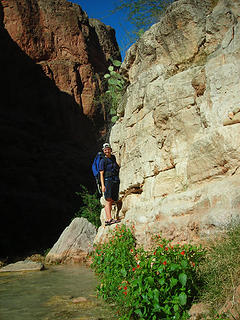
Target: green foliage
46, 251
142, 14
220, 271
91, 208
160, 284
116, 89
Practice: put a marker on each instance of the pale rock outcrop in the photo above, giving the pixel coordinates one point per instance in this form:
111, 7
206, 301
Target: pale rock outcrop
198, 311
179, 158
74, 244
26, 265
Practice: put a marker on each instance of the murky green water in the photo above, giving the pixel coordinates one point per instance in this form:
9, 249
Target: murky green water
49, 295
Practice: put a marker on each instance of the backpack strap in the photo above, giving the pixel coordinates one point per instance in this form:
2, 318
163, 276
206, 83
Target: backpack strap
105, 162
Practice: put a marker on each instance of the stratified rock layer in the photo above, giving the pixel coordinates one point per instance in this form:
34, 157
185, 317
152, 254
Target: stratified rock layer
179, 156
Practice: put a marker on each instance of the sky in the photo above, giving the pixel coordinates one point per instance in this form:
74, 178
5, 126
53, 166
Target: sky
101, 10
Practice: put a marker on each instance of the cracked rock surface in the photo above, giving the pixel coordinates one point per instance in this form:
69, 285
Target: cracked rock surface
172, 141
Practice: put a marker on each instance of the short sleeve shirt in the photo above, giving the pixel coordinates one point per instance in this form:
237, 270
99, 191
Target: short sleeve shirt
108, 165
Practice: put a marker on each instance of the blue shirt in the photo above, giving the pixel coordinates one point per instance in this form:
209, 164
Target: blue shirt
109, 165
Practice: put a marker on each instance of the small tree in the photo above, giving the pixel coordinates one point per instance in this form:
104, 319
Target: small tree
143, 13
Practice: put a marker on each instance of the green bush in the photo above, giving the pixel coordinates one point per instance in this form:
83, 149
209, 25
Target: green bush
160, 284
91, 206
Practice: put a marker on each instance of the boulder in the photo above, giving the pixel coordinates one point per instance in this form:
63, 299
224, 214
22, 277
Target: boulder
79, 300
74, 244
198, 311
26, 265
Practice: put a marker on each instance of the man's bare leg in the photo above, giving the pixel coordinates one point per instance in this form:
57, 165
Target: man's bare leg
108, 209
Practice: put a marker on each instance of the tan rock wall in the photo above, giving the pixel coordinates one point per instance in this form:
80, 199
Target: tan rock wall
171, 141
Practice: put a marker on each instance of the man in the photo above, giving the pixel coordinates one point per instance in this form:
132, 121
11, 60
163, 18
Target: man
109, 177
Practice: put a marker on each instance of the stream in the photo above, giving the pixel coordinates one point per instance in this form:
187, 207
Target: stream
50, 294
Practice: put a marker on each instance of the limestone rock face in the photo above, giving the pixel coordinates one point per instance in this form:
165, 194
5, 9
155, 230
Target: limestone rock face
58, 36
74, 244
179, 155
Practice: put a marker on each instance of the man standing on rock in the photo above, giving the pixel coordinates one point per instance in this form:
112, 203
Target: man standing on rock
109, 176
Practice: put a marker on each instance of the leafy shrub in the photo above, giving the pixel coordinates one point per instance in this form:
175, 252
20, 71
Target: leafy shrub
91, 208
116, 89
160, 284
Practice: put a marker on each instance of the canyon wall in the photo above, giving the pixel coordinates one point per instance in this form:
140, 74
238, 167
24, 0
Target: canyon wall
177, 137
72, 50
52, 61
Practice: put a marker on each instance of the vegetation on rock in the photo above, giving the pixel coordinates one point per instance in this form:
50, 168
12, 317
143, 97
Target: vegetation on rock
141, 14
163, 283
159, 284
116, 87
91, 206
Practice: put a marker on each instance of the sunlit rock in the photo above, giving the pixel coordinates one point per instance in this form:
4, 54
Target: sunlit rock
74, 244
26, 265
173, 142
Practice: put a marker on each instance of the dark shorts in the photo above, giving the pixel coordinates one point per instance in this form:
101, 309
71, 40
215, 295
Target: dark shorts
112, 189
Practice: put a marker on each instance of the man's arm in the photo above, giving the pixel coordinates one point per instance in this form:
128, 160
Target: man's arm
102, 181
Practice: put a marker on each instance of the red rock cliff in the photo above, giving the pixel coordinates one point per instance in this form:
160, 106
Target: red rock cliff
57, 35
51, 61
